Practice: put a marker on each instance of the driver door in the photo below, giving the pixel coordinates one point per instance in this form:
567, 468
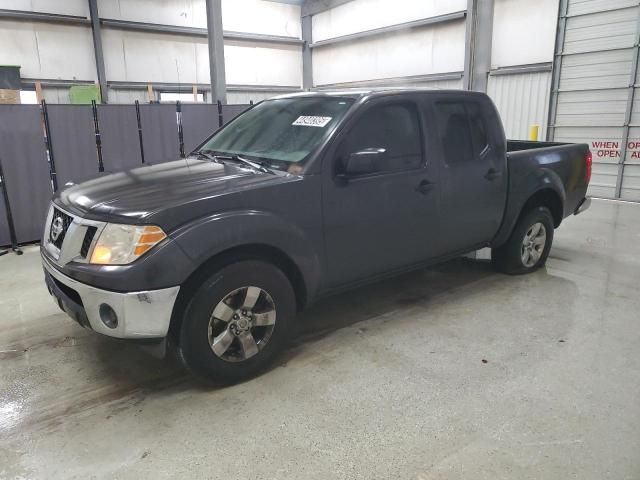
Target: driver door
380, 220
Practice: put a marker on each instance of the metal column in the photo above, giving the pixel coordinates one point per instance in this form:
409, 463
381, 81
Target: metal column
215, 39
479, 31
629, 107
97, 49
307, 62
563, 8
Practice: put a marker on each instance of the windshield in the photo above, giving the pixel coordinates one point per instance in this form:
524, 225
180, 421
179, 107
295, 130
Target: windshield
283, 130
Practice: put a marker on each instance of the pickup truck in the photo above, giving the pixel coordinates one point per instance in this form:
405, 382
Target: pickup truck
299, 197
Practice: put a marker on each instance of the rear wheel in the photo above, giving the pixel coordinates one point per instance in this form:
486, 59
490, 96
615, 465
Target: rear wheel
528, 246
236, 322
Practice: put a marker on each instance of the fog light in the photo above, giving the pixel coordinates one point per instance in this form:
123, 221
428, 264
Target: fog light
108, 316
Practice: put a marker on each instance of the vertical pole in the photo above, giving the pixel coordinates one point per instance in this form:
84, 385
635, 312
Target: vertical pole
220, 117
561, 29
180, 132
96, 126
49, 145
307, 60
39, 94
139, 131
478, 38
629, 109
469, 43
7, 205
97, 49
216, 51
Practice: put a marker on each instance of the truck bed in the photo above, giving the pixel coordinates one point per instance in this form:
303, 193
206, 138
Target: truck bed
546, 166
519, 145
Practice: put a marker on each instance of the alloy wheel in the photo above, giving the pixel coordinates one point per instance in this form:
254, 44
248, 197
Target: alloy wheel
241, 324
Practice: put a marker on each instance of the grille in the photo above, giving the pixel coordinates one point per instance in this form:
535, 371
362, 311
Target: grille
86, 243
59, 225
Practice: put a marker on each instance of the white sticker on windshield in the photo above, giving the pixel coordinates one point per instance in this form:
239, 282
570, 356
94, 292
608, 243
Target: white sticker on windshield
311, 121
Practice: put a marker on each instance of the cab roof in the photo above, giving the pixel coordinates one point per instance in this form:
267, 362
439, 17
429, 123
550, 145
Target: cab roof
357, 93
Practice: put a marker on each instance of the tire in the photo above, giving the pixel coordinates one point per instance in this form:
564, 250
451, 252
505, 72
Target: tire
213, 342
511, 257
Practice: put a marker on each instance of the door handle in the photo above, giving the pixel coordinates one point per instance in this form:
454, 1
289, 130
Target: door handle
492, 174
424, 187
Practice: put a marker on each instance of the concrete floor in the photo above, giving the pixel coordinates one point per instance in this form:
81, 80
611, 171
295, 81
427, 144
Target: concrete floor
452, 372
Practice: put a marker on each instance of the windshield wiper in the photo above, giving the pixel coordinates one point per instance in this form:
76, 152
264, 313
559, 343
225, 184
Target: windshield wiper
208, 156
262, 166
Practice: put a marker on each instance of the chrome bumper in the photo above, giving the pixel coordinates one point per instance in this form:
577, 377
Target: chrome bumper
583, 205
140, 315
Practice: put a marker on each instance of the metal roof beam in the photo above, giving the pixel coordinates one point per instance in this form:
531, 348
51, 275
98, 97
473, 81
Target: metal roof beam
194, 31
440, 19
21, 15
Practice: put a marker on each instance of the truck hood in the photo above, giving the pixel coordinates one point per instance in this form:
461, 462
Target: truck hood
146, 193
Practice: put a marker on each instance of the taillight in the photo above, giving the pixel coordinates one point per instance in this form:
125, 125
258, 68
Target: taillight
588, 160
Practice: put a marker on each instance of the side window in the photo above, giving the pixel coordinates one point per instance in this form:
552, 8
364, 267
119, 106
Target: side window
462, 130
394, 127
478, 128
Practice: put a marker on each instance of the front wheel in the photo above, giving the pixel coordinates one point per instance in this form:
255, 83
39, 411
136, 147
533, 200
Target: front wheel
236, 322
529, 244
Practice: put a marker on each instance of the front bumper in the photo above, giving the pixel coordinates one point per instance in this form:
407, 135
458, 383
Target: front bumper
141, 315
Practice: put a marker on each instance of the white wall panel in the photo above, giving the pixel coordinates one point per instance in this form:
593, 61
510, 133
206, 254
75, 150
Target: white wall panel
128, 96
145, 57
591, 6
64, 7
254, 16
587, 71
361, 15
522, 100
631, 183
186, 13
257, 64
150, 57
48, 51
422, 51
591, 108
258, 16
56, 94
523, 32
601, 31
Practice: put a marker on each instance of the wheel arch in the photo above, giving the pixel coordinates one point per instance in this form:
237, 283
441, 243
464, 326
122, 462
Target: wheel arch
253, 251
546, 197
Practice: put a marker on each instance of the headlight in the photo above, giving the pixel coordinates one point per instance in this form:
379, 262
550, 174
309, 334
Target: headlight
122, 244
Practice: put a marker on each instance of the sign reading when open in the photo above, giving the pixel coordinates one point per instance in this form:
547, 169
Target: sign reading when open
604, 149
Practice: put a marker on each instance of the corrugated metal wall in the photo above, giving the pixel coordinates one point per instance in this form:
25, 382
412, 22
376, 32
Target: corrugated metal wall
594, 99
522, 100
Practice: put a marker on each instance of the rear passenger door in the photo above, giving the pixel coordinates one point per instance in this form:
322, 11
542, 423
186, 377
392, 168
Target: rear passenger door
472, 174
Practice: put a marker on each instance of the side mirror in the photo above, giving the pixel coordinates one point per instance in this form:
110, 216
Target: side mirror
365, 161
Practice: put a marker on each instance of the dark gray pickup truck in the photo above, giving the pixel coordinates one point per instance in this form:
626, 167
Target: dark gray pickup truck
299, 197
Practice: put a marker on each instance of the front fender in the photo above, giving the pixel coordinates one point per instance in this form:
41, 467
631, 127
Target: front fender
209, 236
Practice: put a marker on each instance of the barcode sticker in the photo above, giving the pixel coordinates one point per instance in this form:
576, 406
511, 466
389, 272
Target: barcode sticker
311, 121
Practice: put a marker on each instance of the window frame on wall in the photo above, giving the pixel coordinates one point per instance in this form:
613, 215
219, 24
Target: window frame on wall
182, 97
30, 95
